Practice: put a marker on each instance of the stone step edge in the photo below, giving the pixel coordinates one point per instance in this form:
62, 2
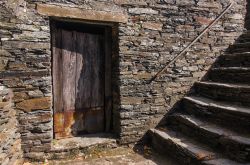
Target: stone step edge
238, 69
226, 106
191, 121
239, 54
227, 85
222, 161
181, 145
217, 159
240, 44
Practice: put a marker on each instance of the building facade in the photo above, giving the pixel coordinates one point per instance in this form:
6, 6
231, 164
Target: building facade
138, 38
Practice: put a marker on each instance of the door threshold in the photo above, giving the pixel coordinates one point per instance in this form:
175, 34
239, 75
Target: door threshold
81, 142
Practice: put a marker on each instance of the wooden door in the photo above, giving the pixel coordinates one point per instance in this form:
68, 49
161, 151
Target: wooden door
79, 80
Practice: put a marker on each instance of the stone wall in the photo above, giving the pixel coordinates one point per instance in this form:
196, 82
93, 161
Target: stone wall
10, 142
25, 67
155, 32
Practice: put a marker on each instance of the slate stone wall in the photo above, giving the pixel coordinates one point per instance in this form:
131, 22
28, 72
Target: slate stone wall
10, 142
25, 67
156, 31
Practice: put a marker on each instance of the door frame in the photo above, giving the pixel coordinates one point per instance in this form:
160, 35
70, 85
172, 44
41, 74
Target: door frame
108, 39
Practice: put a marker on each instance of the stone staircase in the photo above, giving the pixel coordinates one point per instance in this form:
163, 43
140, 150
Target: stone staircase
212, 126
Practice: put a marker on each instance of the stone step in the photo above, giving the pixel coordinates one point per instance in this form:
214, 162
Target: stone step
230, 74
183, 148
224, 113
239, 47
222, 161
234, 60
245, 37
232, 144
239, 93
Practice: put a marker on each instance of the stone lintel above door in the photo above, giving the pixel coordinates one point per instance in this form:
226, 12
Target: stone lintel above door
56, 10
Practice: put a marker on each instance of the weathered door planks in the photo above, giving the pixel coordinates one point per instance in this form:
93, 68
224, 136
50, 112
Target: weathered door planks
57, 75
90, 87
108, 78
81, 81
69, 69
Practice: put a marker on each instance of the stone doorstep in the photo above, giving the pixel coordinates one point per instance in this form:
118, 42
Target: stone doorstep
75, 147
82, 143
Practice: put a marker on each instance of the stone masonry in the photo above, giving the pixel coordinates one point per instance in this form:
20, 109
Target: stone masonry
211, 125
149, 36
10, 142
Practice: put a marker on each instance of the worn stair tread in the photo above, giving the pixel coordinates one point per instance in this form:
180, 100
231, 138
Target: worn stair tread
232, 69
237, 93
219, 104
235, 54
234, 60
222, 161
188, 146
215, 129
228, 85
241, 44
230, 74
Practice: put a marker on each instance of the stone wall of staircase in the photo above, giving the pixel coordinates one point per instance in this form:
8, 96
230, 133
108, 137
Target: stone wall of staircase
10, 141
157, 31
212, 124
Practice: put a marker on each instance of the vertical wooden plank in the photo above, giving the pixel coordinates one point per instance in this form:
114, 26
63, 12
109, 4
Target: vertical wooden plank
83, 73
69, 70
79, 69
57, 77
69, 75
90, 84
82, 90
108, 78
97, 70
90, 69
57, 70
95, 118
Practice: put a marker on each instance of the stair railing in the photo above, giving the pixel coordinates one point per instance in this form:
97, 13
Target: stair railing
189, 45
